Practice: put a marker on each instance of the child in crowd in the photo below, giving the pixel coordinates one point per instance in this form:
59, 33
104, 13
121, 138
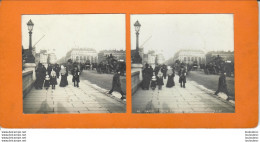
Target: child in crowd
153, 81
53, 79
75, 73
160, 80
47, 81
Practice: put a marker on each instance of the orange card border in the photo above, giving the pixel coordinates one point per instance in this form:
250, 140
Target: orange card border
246, 65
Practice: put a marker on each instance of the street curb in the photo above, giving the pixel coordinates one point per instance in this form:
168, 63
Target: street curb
104, 92
217, 97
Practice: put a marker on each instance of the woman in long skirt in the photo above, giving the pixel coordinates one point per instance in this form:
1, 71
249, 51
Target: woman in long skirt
63, 73
170, 81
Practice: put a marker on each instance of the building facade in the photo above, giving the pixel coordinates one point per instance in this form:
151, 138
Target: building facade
118, 54
189, 56
225, 55
81, 55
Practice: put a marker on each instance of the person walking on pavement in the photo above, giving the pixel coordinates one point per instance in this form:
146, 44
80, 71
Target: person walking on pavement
53, 79
57, 70
116, 85
153, 82
160, 80
164, 71
146, 77
40, 76
75, 79
49, 69
63, 73
222, 85
150, 73
182, 77
156, 69
47, 81
170, 81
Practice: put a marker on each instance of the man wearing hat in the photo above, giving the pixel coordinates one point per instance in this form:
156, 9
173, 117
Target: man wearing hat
222, 85
182, 76
116, 85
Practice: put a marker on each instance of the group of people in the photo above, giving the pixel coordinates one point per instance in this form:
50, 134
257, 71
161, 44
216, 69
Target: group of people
154, 77
48, 77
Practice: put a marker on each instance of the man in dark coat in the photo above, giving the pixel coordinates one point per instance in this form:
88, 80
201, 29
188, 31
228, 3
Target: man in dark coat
49, 68
116, 85
222, 85
164, 70
75, 79
57, 70
156, 69
151, 72
146, 77
182, 77
40, 76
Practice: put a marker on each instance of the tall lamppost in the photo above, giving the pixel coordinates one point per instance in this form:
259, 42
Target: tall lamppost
30, 58
137, 57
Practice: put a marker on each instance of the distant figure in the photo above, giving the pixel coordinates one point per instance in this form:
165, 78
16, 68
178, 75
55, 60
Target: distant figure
67, 73
116, 85
156, 69
57, 70
75, 73
160, 80
49, 68
164, 70
153, 82
182, 77
222, 85
64, 74
53, 79
47, 81
170, 81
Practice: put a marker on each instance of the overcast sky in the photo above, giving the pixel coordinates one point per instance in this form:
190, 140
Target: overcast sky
172, 32
63, 32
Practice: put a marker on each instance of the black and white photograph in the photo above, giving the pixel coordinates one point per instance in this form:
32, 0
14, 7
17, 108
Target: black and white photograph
182, 63
74, 63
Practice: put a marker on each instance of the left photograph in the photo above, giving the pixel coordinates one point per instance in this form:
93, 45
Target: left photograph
73, 63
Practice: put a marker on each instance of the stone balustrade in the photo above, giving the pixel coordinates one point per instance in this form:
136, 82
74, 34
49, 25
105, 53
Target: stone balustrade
135, 81
28, 81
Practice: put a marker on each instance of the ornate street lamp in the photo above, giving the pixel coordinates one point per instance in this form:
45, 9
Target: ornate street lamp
137, 57
30, 58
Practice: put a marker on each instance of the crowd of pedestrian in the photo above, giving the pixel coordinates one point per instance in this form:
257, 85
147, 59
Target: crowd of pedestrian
155, 77
46, 78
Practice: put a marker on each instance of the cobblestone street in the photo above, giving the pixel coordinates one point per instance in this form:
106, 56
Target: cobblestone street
88, 98
194, 98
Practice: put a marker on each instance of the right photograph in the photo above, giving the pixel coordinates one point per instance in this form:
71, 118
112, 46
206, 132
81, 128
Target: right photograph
182, 63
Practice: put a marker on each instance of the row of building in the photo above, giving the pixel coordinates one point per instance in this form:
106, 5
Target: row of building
190, 56
83, 55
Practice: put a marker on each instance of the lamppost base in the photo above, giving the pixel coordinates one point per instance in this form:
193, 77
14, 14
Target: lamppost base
137, 67
30, 66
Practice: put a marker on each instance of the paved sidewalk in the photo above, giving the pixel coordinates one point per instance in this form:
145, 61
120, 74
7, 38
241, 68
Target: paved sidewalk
69, 99
193, 99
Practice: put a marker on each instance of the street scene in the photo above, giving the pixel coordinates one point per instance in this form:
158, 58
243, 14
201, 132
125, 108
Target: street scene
74, 63
184, 63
